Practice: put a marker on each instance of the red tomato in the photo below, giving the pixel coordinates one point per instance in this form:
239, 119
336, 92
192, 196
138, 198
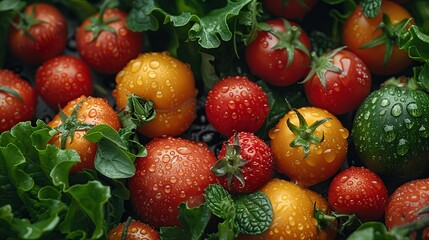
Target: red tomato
267, 54
12, 109
358, 30
175, 170
62, 79
245, 163
360, 191
236, 104
92, 111
290, 9
110, 51
405, 202
34, 44
340, 92
136, 231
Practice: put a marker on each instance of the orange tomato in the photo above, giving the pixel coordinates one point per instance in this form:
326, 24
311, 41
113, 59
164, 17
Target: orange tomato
358, 30
293, 213
168, 83
92, 111
323, 159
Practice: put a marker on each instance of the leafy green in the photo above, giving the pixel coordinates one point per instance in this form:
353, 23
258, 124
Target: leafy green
113, 158
254, 213
38, 200
209, 30
371, 8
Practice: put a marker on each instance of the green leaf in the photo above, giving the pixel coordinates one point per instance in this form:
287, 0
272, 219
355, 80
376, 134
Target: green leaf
88, 200
416, 43
219, 201
208, 30
254, 213
7, 5
371, 8
208, 71
194, 221
371, 231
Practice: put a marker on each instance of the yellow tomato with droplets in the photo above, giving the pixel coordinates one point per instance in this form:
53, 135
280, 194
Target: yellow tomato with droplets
311, 150
168, 83
293, 211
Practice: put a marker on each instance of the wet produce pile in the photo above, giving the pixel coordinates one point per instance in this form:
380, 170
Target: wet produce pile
227, 119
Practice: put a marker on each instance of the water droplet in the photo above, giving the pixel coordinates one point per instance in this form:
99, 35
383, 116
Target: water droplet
344, 132
384, 102
151, 74
403, 147
173, 179
390, 134
408, 123
273, 133
291, 221
423, 132
183, 150
152, 168
396, 110
382, 112
264, 44
224, 89
329, 155
366, 115
414, 110
135, 67
343, 179
92, 113
154, 64
165, 158
159, 94
300, 226
231, 104
167, 189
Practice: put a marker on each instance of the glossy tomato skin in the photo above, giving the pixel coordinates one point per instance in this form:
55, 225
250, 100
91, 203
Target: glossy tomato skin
136, 231
168, 83
360, 191
62, 79
406, 201
271, 64
13, 110
236, 104
359, 30
293, 212
109, 52
50, 36
175, 170
259, 167
93, 111
324, 158
344, 91
292, 10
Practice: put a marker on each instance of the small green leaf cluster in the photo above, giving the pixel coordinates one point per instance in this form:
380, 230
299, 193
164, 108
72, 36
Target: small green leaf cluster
249, 214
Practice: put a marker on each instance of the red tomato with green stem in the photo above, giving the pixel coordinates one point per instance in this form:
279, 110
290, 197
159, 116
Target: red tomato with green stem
18, 100
175, 170
360, 191
280, 54
105, 42
375, 40
290, 9
338, 82
236, 104
39, 34
62, 79
245, 163
405, 203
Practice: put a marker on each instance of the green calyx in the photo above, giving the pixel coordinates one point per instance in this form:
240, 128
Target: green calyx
98, 24
69, 124
26, 22
137, 112
231, 165
11, 91
390, 36
305, 134
344, 221
320, 65
288, 40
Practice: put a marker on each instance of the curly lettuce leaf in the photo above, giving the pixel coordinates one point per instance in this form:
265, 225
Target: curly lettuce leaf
37, 199
209, 30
